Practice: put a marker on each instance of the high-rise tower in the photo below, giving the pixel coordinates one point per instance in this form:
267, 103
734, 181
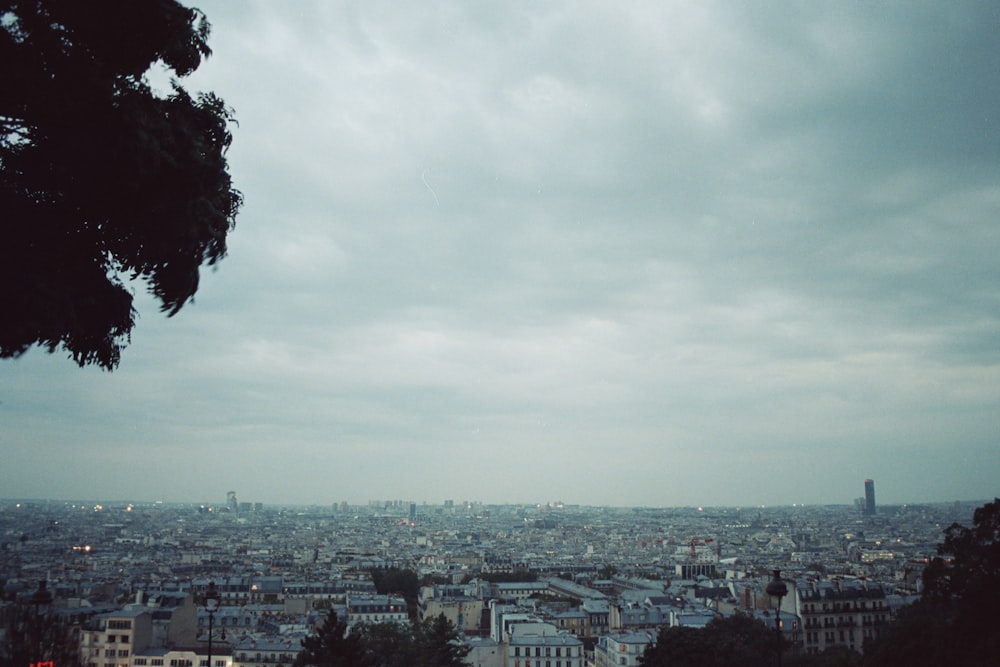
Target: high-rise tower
869, 497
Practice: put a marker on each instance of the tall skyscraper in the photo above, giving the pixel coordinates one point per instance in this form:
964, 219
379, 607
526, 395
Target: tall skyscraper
869, 497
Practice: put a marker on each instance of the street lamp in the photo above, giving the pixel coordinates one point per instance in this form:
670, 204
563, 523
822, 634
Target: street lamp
211, 606
40, 598
776, 588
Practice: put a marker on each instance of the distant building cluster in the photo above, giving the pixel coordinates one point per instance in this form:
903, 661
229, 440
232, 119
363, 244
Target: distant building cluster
548, 584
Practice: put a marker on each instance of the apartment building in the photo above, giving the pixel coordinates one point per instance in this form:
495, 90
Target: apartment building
619, 649
376, 609
110, 640
840, 613
462, 605
262, 653
543, 645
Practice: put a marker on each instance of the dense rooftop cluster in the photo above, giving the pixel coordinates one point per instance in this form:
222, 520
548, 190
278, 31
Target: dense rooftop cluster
571, 585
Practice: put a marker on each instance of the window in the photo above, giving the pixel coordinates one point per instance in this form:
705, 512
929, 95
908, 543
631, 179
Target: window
140, 661
156, 662
123, 653
112, 639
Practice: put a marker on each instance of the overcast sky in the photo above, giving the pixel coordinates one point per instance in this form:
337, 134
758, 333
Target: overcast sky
663, 253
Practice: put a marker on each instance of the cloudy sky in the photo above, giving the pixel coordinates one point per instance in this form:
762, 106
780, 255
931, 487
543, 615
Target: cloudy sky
658, 253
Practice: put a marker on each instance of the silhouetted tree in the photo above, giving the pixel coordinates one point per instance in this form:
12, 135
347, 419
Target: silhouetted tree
102, 179
430, 643
32, 636
921, 634
396, 581
733, 640
438, 644
387, 644
835, 656
678, 646
972, 581
331, 646
742, 640
953, 622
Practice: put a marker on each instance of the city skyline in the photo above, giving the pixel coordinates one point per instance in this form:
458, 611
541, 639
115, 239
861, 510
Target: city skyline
408, 505
664, 254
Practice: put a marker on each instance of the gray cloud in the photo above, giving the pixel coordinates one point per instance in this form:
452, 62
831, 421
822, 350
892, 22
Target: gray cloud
660, 254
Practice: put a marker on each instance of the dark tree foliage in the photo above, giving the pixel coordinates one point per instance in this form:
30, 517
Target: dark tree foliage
972, 581
396, 581
678, 646
387, 644
836, 656
736, 641
437, 644
431, 643
954, 622
921, 634
331, 646
724, 642
31, 636
101, 179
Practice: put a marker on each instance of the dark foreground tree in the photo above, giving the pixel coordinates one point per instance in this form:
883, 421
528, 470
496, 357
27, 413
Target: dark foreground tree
396, 581
32, 636
954, 622
103, 180
331, 646
387, 644
430, 643
733, 640
437, 644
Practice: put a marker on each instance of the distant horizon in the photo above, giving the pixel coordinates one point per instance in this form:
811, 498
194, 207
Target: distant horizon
459, 504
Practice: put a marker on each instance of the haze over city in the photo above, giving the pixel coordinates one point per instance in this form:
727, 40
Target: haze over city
656, 254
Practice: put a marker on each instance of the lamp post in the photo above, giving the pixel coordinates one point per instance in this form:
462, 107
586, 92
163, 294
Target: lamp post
40, 598
776, 588
211, 605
